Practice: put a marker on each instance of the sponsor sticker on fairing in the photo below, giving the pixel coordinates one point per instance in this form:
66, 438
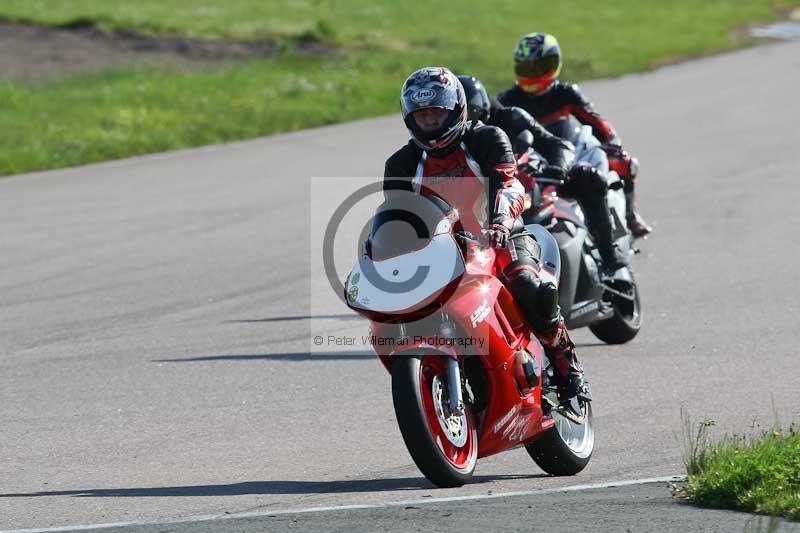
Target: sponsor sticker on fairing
352, 294
585, 309
506, 417
480, 313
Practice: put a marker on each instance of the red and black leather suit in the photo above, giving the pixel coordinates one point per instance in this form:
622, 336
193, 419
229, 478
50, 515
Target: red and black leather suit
478, 178
554, 107
514, 120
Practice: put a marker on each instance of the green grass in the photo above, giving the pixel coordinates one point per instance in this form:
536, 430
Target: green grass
133, 111
756, 474
123, 113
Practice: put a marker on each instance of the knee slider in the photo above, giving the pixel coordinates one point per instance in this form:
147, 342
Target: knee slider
524, 286
547, 306
538, 301
588, 180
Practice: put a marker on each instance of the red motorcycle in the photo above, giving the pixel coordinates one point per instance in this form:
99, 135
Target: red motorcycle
469, 378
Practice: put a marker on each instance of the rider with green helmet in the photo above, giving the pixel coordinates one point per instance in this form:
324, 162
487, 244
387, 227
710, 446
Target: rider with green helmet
537, 64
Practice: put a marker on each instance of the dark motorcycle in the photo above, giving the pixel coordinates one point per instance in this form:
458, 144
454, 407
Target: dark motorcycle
608, 304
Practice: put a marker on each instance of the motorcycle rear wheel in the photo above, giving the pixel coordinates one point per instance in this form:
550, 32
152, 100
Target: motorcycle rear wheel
566, 448
626, 321
443, 445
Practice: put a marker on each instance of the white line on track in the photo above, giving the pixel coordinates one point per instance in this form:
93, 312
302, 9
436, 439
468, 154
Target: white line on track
255, 514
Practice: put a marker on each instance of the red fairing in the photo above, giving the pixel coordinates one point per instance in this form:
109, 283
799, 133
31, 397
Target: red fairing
484, 309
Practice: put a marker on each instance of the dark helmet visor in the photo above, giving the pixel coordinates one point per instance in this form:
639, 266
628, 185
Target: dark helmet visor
434, 95
533, 68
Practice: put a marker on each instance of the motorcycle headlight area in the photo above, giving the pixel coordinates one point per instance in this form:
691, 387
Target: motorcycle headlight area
404, 282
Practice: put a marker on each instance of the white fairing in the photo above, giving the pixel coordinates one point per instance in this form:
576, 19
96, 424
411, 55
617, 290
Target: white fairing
400, 283
589, 151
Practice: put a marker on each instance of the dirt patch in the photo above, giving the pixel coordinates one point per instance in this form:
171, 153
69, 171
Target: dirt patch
36, 52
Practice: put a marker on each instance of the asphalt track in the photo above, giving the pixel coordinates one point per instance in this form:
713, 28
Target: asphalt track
156, 317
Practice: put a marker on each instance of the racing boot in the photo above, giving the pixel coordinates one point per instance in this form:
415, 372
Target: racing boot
598, 219
611, 258
539, 304
639, 228
636, 224
567, 370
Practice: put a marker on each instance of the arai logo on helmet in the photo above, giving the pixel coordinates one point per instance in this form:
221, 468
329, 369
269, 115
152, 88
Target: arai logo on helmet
423, 95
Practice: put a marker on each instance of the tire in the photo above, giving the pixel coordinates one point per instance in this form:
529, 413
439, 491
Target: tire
555, 455
444, 463
624, 325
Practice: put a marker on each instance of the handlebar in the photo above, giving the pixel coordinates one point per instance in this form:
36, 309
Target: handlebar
467, 235
538, 171
541, 179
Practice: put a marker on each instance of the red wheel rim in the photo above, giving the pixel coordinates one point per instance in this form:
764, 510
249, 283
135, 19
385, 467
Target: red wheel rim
461, 457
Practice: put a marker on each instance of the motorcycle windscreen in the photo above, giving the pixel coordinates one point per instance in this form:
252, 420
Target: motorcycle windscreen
412, 255
551, 257
406, 222
405, 283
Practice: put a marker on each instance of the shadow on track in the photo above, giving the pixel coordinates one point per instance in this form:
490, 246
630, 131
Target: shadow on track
590, 344
265, 487
292, 356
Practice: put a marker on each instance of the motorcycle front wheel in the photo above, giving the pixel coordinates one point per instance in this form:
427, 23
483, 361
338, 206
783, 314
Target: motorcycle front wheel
443, 445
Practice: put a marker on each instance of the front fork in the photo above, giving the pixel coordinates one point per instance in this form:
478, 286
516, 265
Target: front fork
454, 387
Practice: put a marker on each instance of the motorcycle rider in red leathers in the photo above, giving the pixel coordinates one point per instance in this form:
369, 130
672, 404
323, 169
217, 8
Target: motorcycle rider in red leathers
472, 167
537, 63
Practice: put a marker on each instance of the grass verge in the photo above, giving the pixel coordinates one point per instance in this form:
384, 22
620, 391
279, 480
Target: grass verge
126, 112
758, 474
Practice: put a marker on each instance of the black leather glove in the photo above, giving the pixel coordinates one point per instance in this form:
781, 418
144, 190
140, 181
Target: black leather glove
621, 161
613, 150
495, 236
554, 172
